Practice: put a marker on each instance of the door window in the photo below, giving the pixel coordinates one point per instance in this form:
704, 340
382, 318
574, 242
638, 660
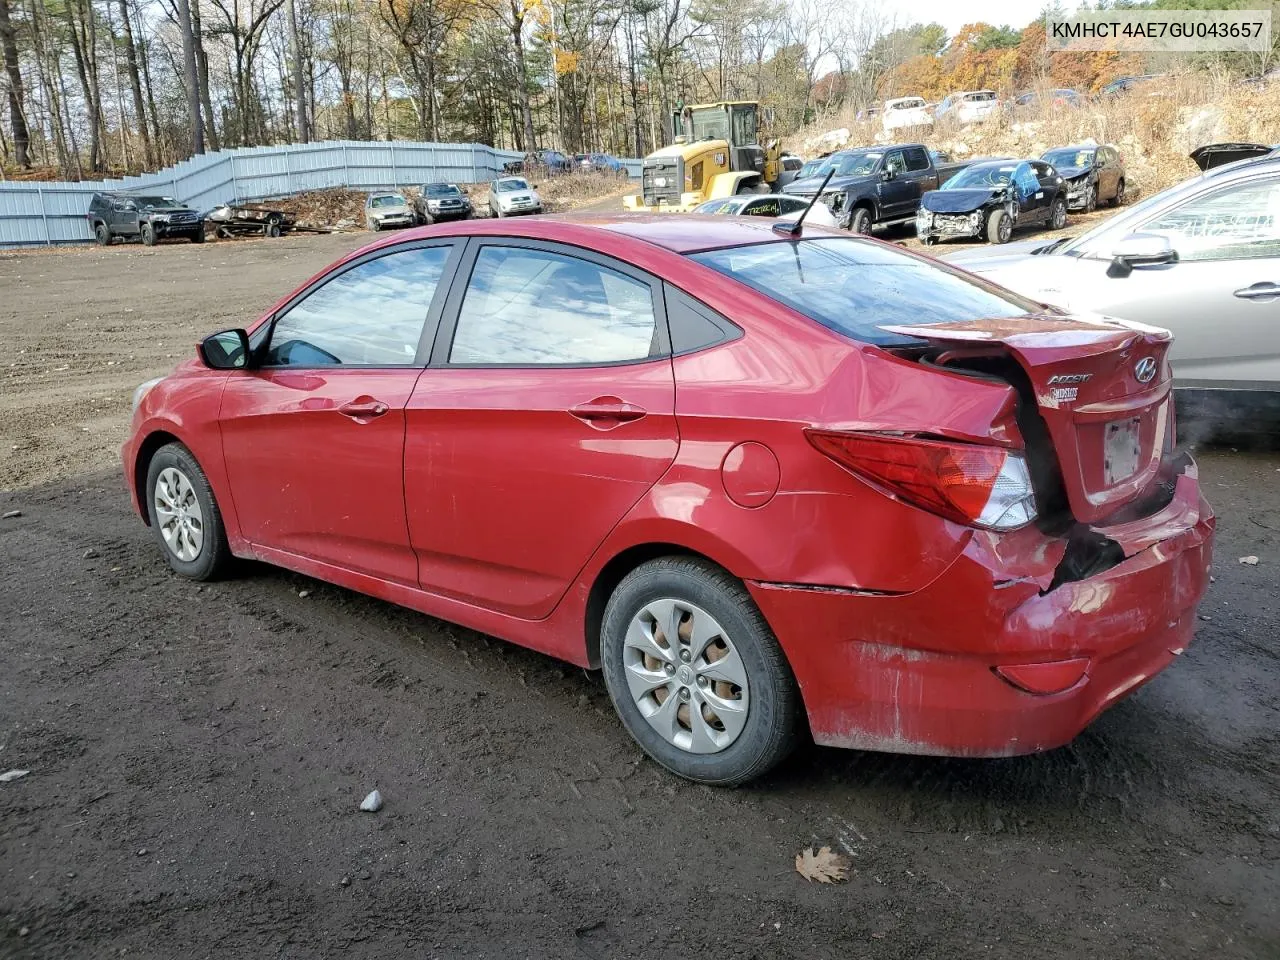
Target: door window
371, 315
894, 162
917, 159
1240, 221
528, 307
764, 207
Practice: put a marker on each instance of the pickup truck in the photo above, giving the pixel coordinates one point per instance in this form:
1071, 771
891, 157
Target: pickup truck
876, 186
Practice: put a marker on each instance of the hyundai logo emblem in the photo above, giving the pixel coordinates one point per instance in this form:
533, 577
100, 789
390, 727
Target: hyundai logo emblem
1145, 369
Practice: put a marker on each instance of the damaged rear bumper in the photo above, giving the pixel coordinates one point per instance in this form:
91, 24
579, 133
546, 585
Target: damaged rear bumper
917, 673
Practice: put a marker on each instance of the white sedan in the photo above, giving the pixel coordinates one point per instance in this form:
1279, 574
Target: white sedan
777, 205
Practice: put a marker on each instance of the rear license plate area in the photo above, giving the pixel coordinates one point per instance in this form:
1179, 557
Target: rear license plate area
1121, 450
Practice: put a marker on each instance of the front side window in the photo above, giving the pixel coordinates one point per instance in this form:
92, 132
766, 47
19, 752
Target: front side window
764, 207
917, 159
894, 162
855, 287
1237, 222
369, 315
526, 307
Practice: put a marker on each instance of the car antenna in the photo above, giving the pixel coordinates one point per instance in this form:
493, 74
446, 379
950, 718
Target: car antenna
792, 227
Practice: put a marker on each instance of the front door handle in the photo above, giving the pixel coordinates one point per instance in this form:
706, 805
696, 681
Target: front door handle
607, 412
1259, 291
363, 409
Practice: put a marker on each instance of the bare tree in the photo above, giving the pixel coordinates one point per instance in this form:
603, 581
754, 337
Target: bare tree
17, 118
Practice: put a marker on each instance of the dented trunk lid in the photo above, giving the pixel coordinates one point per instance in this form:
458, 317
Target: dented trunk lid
1103, 388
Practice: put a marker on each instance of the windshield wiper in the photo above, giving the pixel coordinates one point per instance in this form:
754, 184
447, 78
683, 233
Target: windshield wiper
1049, 248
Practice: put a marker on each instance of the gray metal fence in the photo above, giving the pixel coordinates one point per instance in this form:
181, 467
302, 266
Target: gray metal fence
51, 213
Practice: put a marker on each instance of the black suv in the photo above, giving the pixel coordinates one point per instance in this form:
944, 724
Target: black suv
147, 216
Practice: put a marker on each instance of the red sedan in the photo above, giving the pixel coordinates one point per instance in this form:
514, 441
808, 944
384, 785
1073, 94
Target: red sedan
767, 483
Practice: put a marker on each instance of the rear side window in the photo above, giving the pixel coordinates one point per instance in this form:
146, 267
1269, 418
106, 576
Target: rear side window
917, 159
694, 325
527, 307
855, 287
369, 315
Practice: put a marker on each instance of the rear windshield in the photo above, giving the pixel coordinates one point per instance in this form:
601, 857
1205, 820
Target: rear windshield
854, 287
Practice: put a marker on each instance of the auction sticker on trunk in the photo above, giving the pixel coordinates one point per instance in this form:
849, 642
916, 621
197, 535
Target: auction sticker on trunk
1122, 451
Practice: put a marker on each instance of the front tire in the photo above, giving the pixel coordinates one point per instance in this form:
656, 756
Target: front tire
717, 704
148, 235
185, 516
1118, 199
999, 226
860, 221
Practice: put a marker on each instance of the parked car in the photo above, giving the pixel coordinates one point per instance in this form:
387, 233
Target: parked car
1202, 259
778, 205
593, 438
1091, 172
990, 199
904, 112
239, 219
971, 106
388, 209
145, 217
867, 114
1123, 85
791, 167
605, 163
1037, 99
440, 202
513, 196
872, 186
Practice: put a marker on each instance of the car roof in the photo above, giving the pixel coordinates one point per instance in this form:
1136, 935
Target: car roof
676, 232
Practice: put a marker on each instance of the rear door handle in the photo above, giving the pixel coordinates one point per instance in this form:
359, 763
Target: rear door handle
363, 408
1259, 291
607, 411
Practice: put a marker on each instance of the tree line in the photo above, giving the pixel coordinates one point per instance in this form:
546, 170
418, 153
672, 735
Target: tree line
96, 86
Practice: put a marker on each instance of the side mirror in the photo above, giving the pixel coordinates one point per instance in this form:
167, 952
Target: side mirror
228, 350
1140, 250
887, 174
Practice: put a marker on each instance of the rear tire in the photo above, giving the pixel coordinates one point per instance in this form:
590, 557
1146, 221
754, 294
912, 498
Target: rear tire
999, 226
860, 221
273, 227
102, 234
177, 490
642, 674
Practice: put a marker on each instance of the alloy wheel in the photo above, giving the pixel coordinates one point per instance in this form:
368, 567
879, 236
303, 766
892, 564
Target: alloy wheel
178, 514
685, 676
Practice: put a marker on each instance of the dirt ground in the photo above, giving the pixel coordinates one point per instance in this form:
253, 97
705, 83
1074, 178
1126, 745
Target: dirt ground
197, 753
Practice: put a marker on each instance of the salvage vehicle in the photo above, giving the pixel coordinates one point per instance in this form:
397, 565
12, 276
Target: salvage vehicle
774, 485
513, 197
238, 219
717, 153
778, 205
388, 209
441, 202
1201, 258
1090, 173
145, 217
904, 112
1032, 100
987, 200
971, 106
873, 186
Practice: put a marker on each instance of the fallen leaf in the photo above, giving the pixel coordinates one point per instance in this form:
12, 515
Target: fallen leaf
823, 866
10, 775
1251, 561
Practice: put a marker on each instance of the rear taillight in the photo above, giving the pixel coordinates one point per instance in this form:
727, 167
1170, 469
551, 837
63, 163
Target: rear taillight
975, 485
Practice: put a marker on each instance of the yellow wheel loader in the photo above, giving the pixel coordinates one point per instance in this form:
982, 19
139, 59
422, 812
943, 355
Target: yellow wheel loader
716, 154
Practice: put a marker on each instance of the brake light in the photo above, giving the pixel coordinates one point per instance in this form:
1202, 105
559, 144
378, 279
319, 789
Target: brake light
975, 485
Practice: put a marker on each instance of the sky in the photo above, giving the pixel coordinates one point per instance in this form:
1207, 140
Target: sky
954, 14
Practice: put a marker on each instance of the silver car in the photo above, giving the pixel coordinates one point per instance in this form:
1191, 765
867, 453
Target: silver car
1201, 259
512, 196
388, 210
